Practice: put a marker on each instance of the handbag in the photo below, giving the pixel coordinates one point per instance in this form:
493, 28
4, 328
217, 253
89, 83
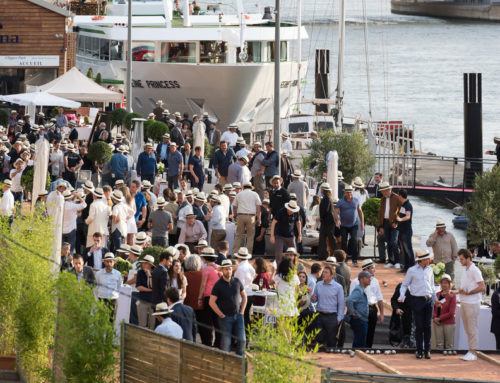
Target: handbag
396, 330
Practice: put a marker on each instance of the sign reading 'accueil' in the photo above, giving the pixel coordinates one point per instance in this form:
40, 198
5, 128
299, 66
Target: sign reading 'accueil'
29, 61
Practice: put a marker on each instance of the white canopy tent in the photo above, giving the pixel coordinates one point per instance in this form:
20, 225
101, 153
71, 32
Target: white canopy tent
76, 86
39, 99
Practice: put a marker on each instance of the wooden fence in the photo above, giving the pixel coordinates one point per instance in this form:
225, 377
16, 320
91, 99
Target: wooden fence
148, 357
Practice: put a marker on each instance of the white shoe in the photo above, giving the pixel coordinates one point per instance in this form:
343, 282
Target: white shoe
469, 357
389, 265
397, 265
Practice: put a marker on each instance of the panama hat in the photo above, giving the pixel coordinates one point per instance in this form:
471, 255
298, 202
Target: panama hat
440, 224
43, 193
124, 248
291, 250
135, 249
151, 115
216, 199
292, 205
121, 149
277, 177
446, 276
244, 159
166, 135
148, 259
67, 194
7, 183
232, 126
243, 253
326, 186
228, 187
297, 174
160, 202
331, 261
117, 195
339, 175
189, 193
208, 252
205, 114
173, 250
357, 183
423, 254
232, 193
236, 185
119, 182
384, 186
109, 257
201, 243
140, 237
257, 144
200, 197
98, 192
172, 143
496, 140
247, 185
367, 263
293, 196
35, 128
177, 114
162, 309
88, 185
266, 201
285, 134
148, 145
146, 184
226, 263
348, 189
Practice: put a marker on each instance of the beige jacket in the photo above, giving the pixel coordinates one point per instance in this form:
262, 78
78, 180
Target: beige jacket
98, 218
444, 247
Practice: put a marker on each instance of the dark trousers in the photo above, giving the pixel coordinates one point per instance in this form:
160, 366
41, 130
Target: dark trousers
341, 335
116, 239
381, 248
70, 177
327, 326
391, 238
372, 324
326, 233
70, 238
497, 338
359, 329
208, 321
422, 314
149, 177
18, 197
407, 255
246, 315
173, 181
350, 241
134, 317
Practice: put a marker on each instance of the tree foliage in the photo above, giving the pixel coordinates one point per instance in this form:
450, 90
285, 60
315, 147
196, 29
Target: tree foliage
85, 349
127, 120
370, 211
155, 251
98, 78
154, 130
116, 117
27, 179
100, 152
90, 73
484, 208
4, 117
355, 158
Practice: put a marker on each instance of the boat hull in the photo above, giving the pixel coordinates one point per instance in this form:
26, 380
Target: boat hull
481, 10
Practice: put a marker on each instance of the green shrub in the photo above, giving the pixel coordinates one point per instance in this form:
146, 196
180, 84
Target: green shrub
98, 78
370, 211
116, 117
154, 130
85, 350
127, 120
155, 251
206, 152
122, 265
90, 73
100, 152
4, 117
27, 179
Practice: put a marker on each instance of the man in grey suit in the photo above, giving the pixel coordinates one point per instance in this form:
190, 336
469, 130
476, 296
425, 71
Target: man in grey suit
176, 135
82, 272
183, 315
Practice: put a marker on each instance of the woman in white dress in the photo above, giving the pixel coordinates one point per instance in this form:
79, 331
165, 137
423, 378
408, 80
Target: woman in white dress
287, 283
361, 195
131, 225
313, 213
177, 279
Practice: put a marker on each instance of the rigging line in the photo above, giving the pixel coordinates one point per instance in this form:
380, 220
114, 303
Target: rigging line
367, 59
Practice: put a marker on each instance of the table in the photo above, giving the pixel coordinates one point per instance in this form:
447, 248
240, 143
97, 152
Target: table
483, 260
486, 338
266, 294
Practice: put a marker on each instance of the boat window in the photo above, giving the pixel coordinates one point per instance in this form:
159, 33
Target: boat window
178, 52
116, 50
212, 52
323, 125
253, 51
270, 51
104, 49
298, 127
143, 51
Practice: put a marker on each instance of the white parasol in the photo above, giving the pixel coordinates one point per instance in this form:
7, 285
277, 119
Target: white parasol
137, 138
42, 149
199, 136
55, 209
332, 163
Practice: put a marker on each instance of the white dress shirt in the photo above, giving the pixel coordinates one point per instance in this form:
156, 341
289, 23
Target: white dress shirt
120, 213
373, 292
245, 273
181, 219
218, 219
286, 146
229, 137
108, 284
243, 152
58, 165
16, 181
7, 203
419, 281
71, 210
245, 176
468, 282
247, 201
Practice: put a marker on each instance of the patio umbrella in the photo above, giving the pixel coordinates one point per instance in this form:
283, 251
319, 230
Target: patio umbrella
39, 99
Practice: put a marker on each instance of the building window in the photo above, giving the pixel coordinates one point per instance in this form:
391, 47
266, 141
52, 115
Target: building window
178, 52
212, 52
253, 51
143, 51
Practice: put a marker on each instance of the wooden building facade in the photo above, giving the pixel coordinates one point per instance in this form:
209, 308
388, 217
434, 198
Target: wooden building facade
35, 47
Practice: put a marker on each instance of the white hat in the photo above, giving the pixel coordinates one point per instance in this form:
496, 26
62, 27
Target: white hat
124, 248
205, 114
243, 253
257, 143
121, 149
445, 276
98, 192
236, 185
358, 183
160, 102
208, 252
67, 194
292, 205
291, 250
162, 309
140, 237
226, 263
108, 256
160, 202
326, 186
331, 261
119, 182
297, 174
339, 175
136, 249
117, 195
146, 184
148, 259
285, 135
348, 189
43, 193
7, 183
423, 254
201, 243
177, 114
228, 187
200, 197
440, 224
384, 186
366, 263
88, 185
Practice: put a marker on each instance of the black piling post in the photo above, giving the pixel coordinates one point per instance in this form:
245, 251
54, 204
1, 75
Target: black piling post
322, 79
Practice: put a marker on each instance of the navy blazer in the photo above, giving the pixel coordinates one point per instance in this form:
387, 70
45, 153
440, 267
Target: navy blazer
184, 316
89, 259
159, 280
88, 275
158, 151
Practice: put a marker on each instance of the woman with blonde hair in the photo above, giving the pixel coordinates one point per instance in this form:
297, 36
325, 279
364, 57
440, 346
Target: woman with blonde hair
131, 225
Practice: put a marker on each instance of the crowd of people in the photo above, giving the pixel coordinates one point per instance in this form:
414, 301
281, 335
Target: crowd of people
204, 281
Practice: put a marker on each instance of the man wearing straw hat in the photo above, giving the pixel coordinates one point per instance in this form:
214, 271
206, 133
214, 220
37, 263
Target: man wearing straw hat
228, 300
160, 222
108, 282
282, 229
420, 280
7, 202
300, 188
98, 218
167, 326
390, 204
444, 246
118, 220
146, 164
246, 212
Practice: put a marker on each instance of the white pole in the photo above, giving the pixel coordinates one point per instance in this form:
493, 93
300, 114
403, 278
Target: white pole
186, 15
340, 69
129, 57
299, 50
332, 168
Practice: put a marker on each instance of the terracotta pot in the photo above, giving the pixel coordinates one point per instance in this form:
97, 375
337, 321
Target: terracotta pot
8, 362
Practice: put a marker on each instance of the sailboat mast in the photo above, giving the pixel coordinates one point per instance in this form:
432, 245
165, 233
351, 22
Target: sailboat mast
129, 57
277, 56
340, 69
299, 51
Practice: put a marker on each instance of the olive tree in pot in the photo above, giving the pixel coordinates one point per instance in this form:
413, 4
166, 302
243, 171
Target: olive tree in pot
100, 152
370, 211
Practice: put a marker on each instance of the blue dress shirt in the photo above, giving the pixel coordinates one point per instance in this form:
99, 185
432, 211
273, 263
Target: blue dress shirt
330, 298
420, 281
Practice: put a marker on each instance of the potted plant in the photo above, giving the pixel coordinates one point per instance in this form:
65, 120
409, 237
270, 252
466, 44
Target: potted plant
100, 152
127, 120
154, 130
370, 211
196, 10
117, 117
155, 251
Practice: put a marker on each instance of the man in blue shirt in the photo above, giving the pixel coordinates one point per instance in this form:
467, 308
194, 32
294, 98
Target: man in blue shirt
348, 209
271, 162
175, 166
162, 149
420, 280
146, 164
167, 326
61, 119
357, 308
140, 203
119, 165
329, 296
223, 157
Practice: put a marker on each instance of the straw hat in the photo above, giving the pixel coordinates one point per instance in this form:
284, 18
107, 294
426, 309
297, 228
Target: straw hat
117, 195
291, 250
160, 202
228, 187
326, 186
200, 197
292, 206
496, 140
208, 252
348, 189
357, 183
440, 224
162, 309
215, 199
201, 243
297, 174
43, 193
367, 263
232, 193
148, 259
146, 184
331, 261
384, 186
135, 249
236, 185
226, 263
109, 257
124, 248
7, 183
447, 277
278, 178
88, 185
119, 182
98, 192
423, 254
243, 253
140, 237
67, 195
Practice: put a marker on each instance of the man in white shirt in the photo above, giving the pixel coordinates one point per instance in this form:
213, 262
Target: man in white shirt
15, 176
7, 200
471, 287
56, 161
108, 284
98, 218
71, 210
224, 198
217, 219
246, 274
168, 326
286, 144
118, 220
230, 136
246, 213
